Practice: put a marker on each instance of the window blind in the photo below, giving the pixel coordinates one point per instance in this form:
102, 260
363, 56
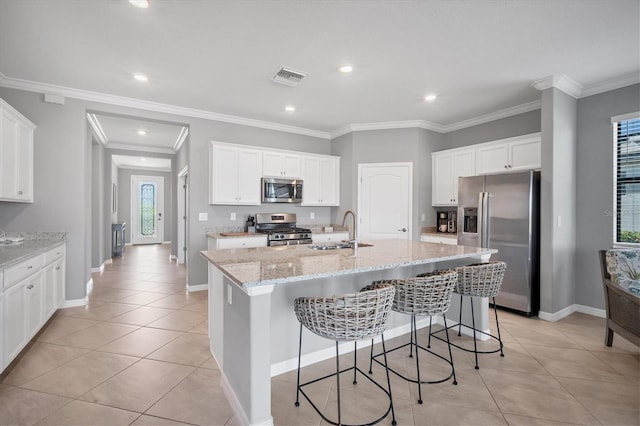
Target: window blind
627, 185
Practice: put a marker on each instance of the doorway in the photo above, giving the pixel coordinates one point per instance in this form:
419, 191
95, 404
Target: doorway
385, 200
147, 209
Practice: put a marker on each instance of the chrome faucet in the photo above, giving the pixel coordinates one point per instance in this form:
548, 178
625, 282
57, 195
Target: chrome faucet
353, 241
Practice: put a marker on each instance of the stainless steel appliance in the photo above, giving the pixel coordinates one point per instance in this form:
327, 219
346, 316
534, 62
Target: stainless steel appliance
281, 229
281, 190
502, 212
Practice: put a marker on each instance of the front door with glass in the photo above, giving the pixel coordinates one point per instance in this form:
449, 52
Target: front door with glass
147, 209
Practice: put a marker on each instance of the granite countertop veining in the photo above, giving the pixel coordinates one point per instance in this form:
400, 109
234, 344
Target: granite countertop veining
254, 267
34, 243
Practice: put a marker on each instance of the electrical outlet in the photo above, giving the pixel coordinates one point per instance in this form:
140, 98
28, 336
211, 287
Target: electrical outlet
423, 217
233, 216
312, 215
229, 293
203, 217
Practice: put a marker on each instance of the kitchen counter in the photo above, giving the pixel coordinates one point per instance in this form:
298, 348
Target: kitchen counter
34, 243
252, 325
267, 266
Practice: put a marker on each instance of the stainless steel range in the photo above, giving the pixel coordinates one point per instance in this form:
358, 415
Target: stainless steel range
281, 229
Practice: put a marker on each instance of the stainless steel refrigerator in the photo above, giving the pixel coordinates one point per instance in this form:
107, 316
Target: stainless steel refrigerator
501, 211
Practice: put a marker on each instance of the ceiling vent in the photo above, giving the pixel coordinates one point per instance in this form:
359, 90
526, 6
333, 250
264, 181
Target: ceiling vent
289, 76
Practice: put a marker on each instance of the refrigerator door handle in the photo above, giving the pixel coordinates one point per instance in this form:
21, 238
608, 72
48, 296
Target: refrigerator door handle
486, 206
480, 221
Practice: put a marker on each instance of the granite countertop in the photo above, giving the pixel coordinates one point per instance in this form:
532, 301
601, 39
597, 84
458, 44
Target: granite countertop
34, 243
254, 267
315, 229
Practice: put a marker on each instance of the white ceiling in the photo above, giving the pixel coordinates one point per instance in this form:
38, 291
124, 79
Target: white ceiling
122, 132
135, 162
218, 56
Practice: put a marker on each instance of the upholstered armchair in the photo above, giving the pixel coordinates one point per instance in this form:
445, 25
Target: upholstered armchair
621, 280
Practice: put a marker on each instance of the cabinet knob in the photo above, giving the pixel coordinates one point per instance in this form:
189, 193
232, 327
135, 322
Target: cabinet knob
30, 286
19, 192
506, 166
57, 268
29, 267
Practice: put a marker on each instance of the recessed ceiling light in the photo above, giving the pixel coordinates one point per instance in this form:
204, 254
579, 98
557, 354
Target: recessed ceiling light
430, 97
143, 159
141, 77
290, 108
142, 132
346, 69
142, 4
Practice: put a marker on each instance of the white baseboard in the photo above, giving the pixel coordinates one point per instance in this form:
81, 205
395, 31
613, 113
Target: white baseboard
166, 242
236, 406
197, 287
173, 257
89, 286
100, 269
75, 302
562, 313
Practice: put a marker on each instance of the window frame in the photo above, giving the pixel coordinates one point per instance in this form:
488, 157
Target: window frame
615, 123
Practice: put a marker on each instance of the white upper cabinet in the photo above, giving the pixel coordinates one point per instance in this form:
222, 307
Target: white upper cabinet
235, 174
321, 181
447, 167
277, 164
16, 155
520, 153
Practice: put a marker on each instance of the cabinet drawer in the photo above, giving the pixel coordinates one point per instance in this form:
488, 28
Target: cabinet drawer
436, 239
242, 242
18, 272
53, 254
335, 237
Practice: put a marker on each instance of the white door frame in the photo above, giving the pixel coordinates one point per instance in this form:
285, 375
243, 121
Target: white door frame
182, 215
409, 165
135, 238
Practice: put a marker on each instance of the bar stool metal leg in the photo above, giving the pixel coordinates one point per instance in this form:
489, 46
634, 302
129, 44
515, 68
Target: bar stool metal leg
355, 362
444, 319
299, 356
429, 341
415, 333
386, 367
475, 342
460, 318
338, 382
495, 311
371, 359
411, 339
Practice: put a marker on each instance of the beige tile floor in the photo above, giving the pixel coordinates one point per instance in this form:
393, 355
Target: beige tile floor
138, 354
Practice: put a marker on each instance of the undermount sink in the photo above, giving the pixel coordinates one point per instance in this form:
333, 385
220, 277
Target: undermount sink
343, 245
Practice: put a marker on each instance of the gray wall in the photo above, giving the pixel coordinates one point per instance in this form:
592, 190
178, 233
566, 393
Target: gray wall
390, 146
98, 253
516, 125
61, 164
558, 200
594, 183
124, 201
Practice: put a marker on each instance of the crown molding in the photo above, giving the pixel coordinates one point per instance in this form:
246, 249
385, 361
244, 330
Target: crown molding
86, 95
139, 147
150, 169
184, 132
611, 84
97, 128
492, 116
561, 82
385, 125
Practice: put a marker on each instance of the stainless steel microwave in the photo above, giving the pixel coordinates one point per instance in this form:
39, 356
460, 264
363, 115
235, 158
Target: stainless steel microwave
281, 190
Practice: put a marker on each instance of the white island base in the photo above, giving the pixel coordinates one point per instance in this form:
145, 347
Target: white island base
252, 325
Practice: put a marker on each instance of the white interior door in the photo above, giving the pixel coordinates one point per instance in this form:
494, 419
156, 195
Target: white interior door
147, 209
385, 200
183, 214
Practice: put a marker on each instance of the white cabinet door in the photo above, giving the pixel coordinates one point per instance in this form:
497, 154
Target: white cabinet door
49, 290
9, 163
59, 271
15, 313
492, 159
34, 305
279, 164
447, 167
241, 242
334, 237
235, 175
248, 178
441, 185
25, 163
321, 177
525, 155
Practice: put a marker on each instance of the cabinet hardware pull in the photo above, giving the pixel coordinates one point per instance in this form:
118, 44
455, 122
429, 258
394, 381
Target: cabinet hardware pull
30, 286
19, 192
29, 267
57, 268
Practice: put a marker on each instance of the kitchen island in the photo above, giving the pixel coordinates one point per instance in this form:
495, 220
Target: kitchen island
252, 325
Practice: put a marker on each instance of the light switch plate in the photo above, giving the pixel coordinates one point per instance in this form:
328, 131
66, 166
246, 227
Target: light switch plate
312, 215
203, 217
233, 216
229, 298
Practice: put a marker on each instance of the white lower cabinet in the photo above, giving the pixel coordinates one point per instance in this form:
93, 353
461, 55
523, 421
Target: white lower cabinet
32, 291
237, 242
438, 239
334, 237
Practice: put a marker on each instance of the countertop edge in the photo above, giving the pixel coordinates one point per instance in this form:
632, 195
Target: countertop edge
49, 245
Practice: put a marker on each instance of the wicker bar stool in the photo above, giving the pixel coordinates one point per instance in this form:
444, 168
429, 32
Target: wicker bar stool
345, 318
426, 295
479, 280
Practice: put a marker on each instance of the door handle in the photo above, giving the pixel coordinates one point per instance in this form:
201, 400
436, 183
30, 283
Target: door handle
403, 229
